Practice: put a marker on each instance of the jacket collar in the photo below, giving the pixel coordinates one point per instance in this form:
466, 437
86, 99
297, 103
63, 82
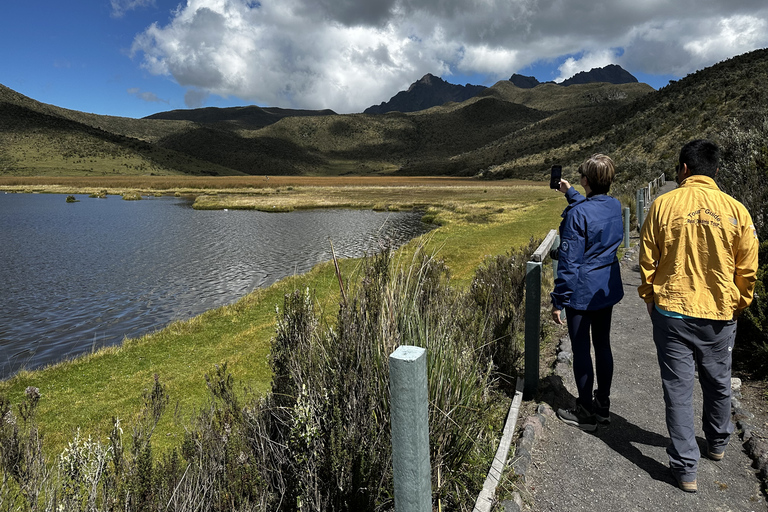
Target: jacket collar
698, 180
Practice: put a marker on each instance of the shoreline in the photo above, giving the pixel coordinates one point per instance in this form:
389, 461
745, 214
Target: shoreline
472, 222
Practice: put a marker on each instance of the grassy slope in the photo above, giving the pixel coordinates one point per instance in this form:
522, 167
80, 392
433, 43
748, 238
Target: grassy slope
45, 139
88, 392
504, 132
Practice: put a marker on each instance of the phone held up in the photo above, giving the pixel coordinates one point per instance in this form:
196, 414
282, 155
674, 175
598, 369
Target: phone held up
555, 176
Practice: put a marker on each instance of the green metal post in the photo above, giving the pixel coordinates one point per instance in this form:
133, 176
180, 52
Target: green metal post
626, 227
532, 327
410, 429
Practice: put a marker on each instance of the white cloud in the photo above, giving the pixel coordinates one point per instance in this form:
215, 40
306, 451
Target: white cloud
120, 7
348, 55
728, 37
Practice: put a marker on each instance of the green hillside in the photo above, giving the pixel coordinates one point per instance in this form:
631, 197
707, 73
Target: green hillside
505, 132
42, 140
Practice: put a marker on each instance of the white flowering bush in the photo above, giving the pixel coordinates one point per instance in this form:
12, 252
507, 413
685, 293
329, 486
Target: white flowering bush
82, 465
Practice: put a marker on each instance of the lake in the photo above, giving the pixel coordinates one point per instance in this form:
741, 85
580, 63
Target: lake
75, 277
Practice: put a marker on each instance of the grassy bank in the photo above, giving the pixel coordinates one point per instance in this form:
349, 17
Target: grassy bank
475, 219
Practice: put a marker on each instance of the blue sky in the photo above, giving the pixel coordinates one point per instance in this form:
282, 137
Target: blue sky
133, 58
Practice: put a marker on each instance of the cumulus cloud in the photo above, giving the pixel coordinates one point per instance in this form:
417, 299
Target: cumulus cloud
348, 55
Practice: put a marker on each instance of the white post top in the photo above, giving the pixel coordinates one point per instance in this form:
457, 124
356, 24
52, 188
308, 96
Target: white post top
408, 353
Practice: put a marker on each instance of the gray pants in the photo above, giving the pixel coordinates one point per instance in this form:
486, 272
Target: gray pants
683, 346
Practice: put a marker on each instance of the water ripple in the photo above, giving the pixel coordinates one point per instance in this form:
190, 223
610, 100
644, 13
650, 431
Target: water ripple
79, 276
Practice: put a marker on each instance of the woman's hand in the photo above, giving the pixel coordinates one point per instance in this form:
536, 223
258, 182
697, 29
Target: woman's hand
564, 186
556, 316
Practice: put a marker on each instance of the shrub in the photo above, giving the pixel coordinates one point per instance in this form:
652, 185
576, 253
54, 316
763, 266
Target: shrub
744, 175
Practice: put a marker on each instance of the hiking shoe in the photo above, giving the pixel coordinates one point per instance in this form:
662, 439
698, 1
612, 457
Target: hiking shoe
715, 454
602, 413
578, 417
686, 486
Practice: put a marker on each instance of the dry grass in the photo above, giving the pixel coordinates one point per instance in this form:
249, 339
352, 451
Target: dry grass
465, 196
174, 183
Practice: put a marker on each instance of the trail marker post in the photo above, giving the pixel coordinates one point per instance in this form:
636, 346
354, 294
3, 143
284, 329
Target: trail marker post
412, 472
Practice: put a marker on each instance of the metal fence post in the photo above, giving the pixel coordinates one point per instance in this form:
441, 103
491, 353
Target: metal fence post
626, 227
532, 327
411, 469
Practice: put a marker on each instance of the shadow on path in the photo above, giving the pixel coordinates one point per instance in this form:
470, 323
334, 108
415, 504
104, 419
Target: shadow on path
622, 436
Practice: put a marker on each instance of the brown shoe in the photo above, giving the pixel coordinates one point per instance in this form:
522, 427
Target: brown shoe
686, 486
715, 455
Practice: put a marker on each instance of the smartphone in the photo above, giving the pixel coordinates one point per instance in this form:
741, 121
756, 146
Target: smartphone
554, 179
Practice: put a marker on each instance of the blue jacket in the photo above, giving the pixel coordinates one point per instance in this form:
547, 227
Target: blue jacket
588, 275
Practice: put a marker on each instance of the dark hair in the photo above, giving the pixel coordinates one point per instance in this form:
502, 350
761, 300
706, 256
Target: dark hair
701, 156
599, 171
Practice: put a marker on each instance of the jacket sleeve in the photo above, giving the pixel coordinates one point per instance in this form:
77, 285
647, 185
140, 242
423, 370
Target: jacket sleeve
745, 274
571, 258
573, 196
649, 255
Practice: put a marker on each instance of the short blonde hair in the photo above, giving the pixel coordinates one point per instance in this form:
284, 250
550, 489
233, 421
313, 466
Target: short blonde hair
600, 171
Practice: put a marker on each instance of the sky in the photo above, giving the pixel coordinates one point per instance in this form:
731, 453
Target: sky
133, 58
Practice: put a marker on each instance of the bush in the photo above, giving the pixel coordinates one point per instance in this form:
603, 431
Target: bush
744, 175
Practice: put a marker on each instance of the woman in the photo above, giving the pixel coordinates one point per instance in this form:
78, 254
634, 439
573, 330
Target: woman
587, 286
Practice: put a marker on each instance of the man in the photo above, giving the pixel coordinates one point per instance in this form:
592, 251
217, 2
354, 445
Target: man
698, 265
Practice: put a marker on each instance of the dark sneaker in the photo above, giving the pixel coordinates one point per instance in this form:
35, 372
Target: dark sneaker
578, 417
686, 486
602, 413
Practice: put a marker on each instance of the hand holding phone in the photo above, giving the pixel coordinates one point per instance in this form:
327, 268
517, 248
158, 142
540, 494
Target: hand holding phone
555, 177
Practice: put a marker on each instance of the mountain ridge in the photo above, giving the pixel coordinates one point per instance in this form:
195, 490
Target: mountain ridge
429, 91
502, 132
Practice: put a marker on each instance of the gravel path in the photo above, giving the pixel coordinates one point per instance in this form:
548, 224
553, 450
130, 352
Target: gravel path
624, 466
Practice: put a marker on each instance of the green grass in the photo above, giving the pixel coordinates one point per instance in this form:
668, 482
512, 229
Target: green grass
87, 392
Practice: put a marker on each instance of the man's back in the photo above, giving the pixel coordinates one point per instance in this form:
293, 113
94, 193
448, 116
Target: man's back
705, 248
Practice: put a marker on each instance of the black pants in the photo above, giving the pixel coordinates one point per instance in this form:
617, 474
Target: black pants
580, 323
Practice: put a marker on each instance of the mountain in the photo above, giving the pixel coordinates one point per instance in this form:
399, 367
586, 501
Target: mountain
40, 139
430, 91
503, 131
524, 82
250, 117
611, 74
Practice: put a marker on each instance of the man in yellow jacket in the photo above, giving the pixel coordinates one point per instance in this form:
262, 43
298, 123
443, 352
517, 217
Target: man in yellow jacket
698, 266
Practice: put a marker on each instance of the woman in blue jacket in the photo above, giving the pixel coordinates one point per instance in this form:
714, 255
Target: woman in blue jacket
587, 286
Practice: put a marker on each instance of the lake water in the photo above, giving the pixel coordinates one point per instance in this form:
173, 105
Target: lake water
79, 276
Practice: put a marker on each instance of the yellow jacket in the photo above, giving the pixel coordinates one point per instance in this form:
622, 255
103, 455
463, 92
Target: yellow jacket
698, 252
